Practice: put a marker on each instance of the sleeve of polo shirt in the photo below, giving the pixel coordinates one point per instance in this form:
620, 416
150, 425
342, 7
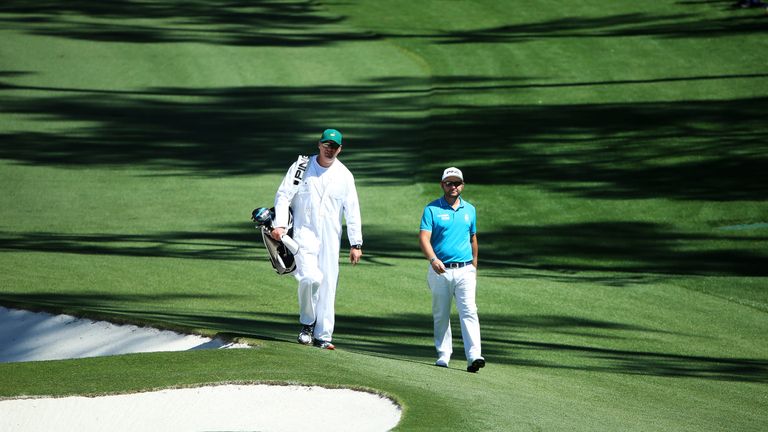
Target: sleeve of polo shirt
426, 220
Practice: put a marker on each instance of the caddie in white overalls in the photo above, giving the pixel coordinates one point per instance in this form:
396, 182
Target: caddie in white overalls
448, 238
325, 192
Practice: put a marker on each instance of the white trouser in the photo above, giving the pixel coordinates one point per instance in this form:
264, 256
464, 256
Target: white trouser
317, 291
460, 283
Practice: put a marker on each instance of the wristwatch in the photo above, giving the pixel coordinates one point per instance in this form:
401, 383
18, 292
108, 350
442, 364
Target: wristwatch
357, 246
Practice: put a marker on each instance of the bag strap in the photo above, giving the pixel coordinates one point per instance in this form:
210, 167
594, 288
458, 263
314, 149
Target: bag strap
302, 163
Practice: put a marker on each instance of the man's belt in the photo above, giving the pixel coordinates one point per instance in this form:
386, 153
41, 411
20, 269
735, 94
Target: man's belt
457, 264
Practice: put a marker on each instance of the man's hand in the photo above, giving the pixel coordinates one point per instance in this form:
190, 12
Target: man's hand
354, 255
277, 233
438, 266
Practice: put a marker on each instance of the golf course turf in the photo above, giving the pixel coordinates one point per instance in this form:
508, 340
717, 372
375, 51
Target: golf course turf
615, 151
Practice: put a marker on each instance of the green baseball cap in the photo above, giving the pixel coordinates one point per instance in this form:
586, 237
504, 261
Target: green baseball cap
331, 135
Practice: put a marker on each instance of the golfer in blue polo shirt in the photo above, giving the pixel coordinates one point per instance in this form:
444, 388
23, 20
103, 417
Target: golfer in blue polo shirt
448, 239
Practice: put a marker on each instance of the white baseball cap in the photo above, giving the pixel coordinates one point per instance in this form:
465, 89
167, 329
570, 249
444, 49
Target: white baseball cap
452, 172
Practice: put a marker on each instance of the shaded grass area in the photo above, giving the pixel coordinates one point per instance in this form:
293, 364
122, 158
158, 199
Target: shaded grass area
705, 150
702, 150
402, 337
306, 23
605, 146
210, 245
270, 23
622, 247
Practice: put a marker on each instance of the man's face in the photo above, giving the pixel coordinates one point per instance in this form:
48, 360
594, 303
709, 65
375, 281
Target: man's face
452, 186
328, 150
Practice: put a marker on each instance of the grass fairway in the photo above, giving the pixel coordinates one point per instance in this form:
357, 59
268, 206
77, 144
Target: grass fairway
616, 153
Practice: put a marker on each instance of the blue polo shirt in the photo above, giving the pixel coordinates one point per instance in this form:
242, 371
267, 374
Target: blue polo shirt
451, 229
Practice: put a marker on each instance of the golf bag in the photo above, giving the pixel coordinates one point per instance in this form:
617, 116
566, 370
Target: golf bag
279, 255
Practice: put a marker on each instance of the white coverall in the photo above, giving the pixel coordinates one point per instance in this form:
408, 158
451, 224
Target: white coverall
319, 202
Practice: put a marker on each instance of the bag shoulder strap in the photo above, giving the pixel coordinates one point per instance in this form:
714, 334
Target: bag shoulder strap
302, 163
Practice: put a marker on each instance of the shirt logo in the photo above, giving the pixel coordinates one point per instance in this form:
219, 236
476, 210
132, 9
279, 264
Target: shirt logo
466, 218
444, 216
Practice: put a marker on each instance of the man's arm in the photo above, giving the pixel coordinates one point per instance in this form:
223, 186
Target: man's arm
425, 243
283, 198
473, 242
354, 222
352, 215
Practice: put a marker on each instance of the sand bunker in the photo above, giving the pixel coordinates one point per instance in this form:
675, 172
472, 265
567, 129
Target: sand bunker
28, 336
217, 408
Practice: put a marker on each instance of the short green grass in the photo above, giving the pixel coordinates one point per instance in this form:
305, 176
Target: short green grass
615, 152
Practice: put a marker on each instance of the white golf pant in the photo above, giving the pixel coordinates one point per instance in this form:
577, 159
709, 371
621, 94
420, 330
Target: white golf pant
317, 292
459, 283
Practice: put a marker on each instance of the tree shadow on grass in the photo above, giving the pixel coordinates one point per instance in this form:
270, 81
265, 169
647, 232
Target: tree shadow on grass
631, 247
579, 249
231, 131
669, 26
631, 362
232, 245
693, 150
615, 247
684, 150
409, 336
306, 23
611, 349
225, 22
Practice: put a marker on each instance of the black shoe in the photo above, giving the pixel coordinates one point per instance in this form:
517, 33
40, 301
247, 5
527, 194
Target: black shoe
305, 336
476, 365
